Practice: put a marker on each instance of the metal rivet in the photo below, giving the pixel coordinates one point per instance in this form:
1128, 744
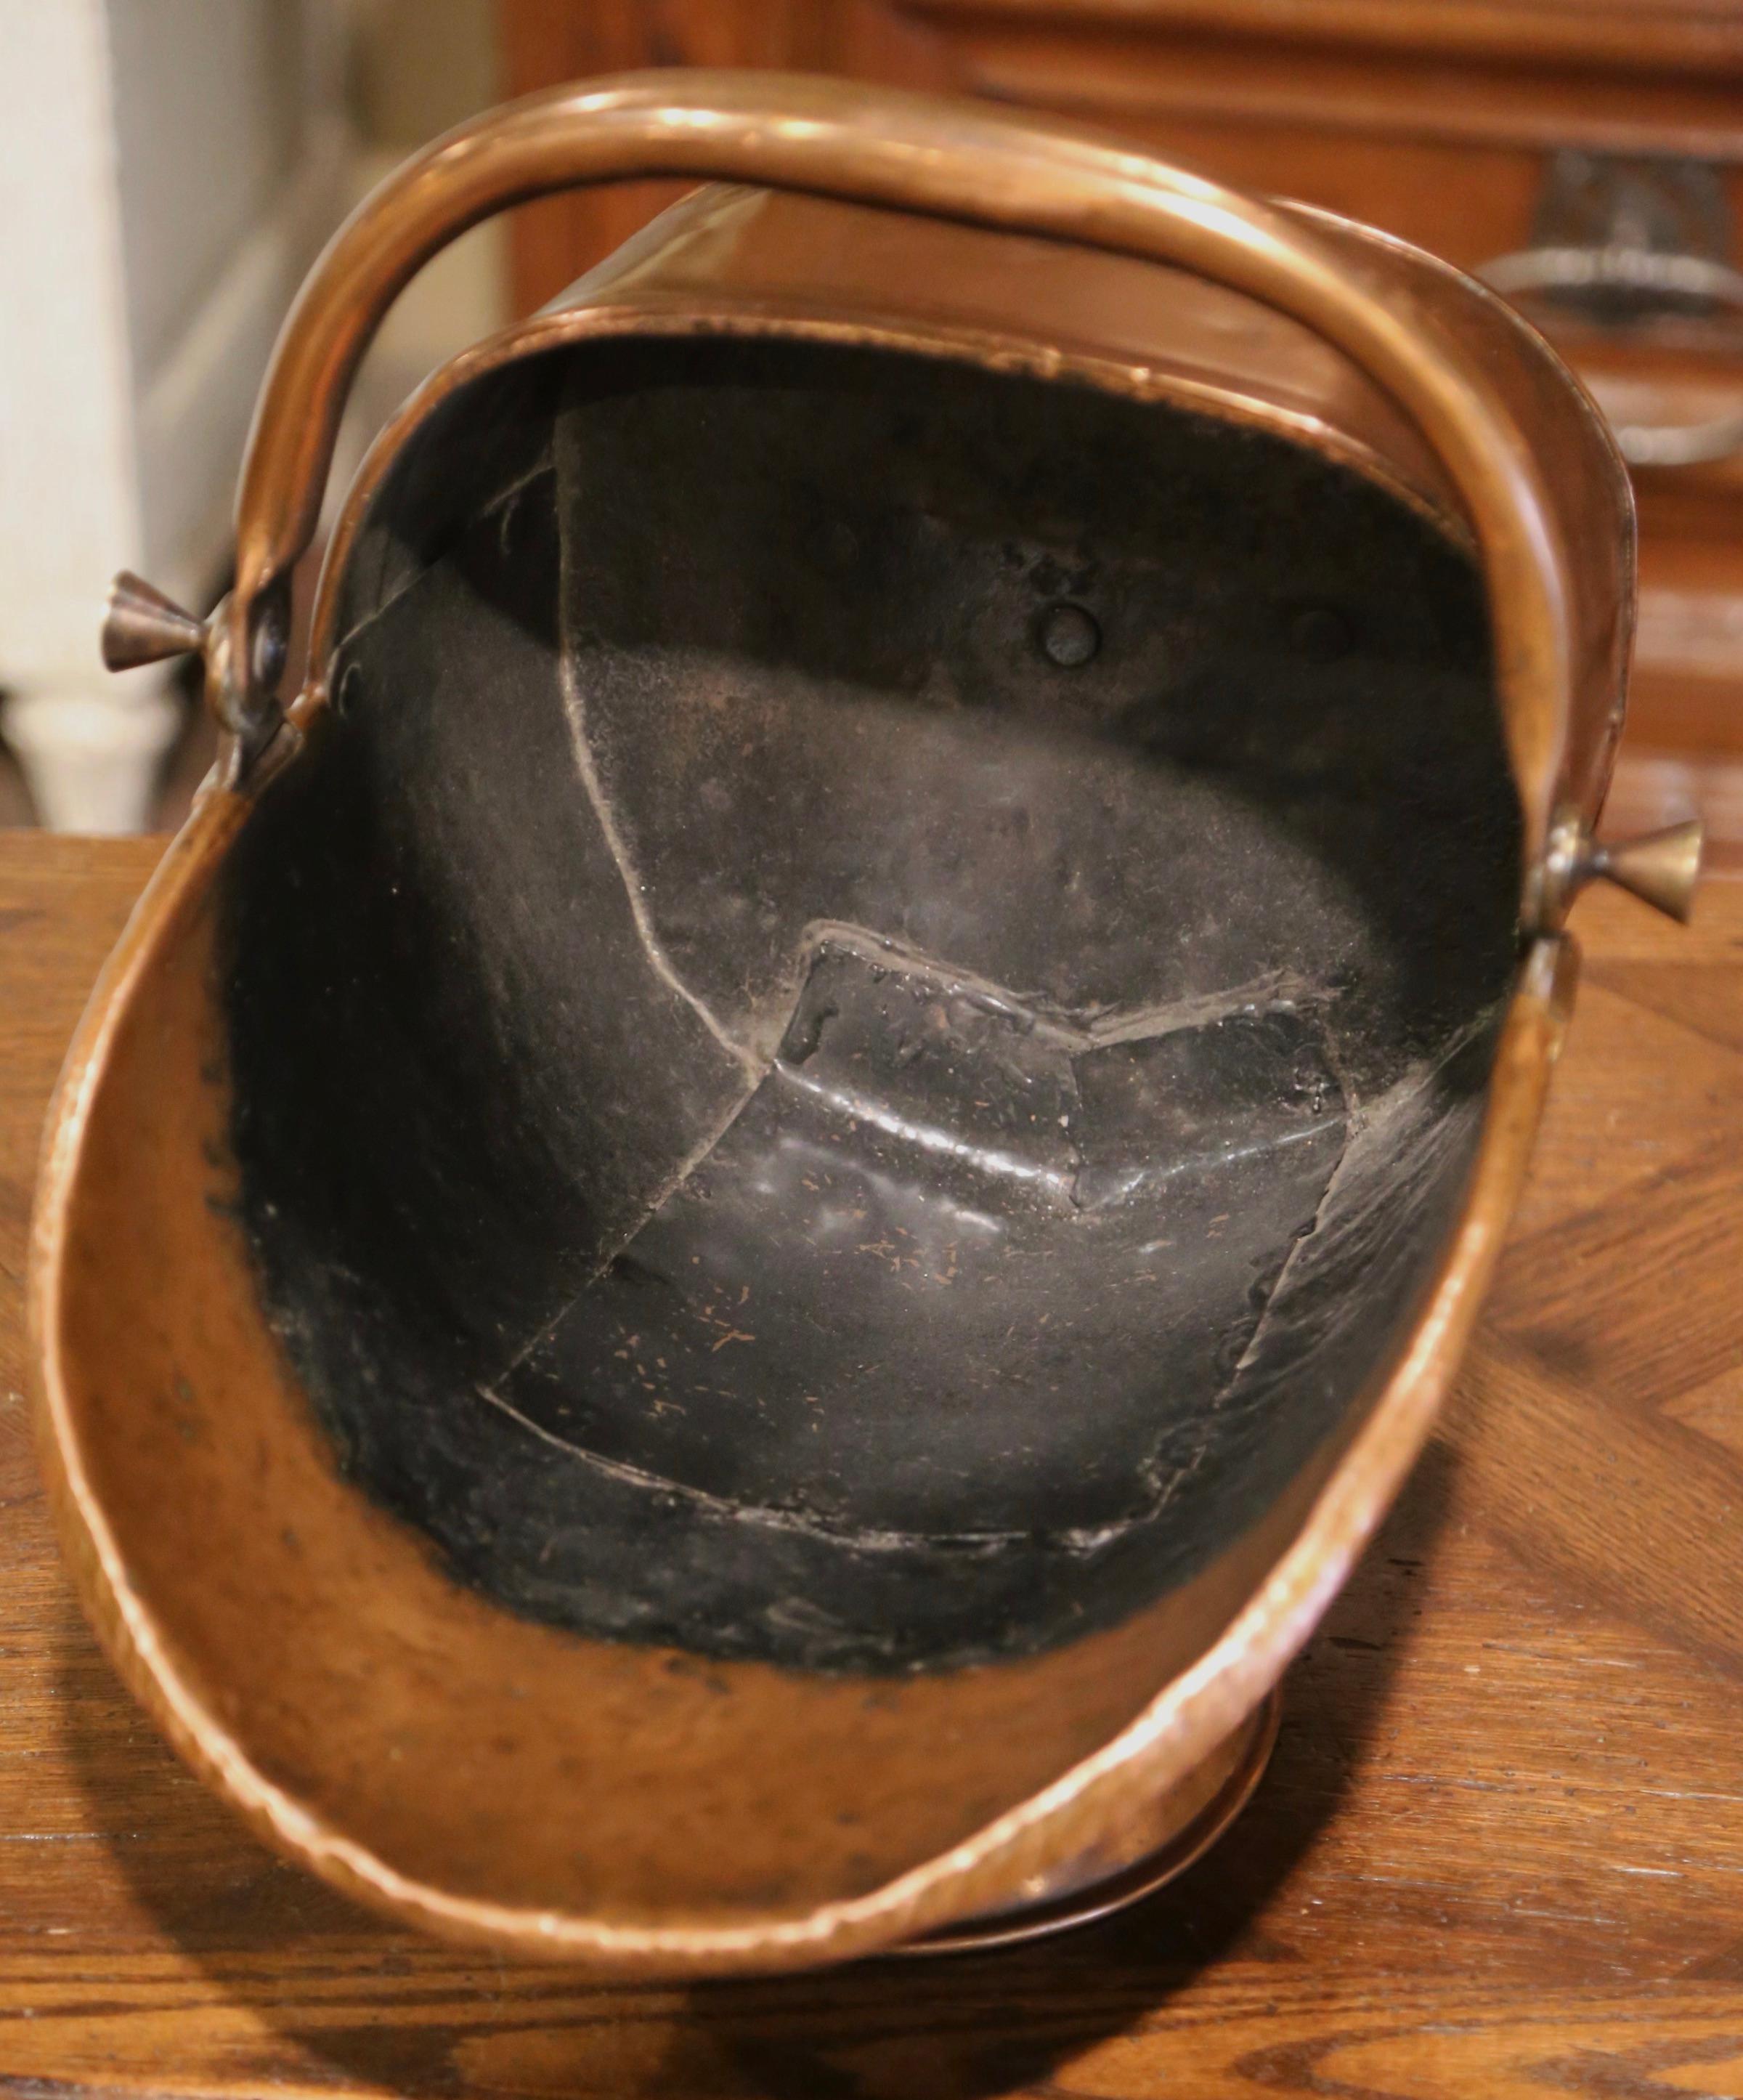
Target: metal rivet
1069, 636
271, 640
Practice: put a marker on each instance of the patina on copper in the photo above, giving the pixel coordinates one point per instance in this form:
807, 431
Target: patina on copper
755, 1217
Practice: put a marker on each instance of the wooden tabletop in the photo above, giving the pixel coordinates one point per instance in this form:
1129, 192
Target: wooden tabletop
1499, 1853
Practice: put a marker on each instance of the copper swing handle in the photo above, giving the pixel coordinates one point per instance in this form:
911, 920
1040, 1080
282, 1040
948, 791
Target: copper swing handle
949, 160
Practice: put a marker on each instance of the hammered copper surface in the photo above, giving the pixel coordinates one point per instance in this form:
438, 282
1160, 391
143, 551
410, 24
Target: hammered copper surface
487, 1766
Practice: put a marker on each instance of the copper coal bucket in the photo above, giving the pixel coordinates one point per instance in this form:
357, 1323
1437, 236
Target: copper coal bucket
760, 1207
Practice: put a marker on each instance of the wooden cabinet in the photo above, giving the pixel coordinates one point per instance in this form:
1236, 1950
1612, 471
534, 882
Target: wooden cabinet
1477, 128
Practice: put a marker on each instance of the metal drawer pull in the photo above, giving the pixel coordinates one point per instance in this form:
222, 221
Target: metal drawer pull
1635, 270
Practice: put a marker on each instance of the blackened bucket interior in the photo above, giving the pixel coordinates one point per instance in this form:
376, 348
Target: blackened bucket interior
865, 1015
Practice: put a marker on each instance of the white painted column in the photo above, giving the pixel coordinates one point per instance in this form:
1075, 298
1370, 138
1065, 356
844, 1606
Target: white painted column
69, 510
168, 169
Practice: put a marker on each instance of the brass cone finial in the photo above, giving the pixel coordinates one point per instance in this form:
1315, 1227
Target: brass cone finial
1662, 868
142, 626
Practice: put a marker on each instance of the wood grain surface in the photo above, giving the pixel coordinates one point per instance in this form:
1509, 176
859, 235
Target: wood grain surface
1499, 1853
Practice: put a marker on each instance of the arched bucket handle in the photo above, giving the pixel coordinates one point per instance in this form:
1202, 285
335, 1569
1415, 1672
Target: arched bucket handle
949, 160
